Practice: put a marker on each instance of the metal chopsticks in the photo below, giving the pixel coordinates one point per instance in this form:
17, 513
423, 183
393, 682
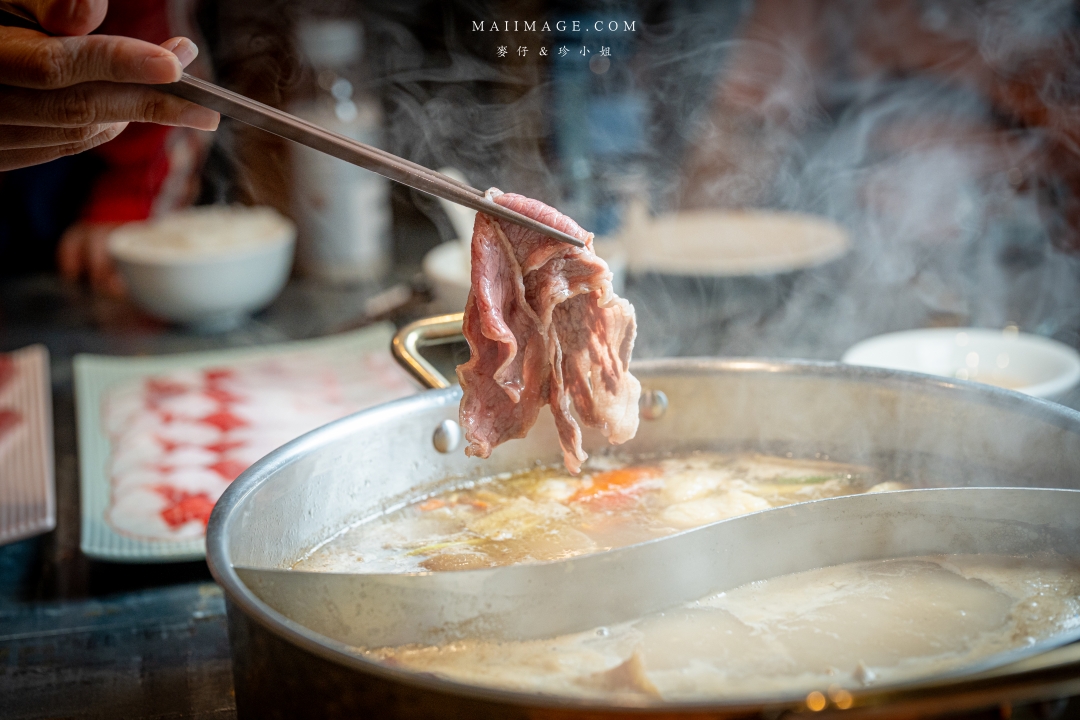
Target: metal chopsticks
264, 117
290, 127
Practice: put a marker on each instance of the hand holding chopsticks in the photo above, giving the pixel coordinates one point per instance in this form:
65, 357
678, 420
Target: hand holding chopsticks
67, 94
264, 117
280, 123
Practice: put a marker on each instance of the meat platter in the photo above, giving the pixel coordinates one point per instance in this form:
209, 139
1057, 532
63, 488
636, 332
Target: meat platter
161, 438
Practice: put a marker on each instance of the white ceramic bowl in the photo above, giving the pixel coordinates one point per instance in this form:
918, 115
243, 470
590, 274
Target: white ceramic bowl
206, 267
447, 269
1031, 364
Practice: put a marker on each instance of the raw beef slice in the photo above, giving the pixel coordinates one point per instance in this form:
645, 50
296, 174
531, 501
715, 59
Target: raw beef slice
544, 327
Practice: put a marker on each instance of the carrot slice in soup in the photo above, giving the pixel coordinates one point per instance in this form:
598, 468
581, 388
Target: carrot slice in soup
615, 481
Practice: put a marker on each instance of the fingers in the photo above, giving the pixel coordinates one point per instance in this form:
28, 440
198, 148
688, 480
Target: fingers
15, 159
184, 50
41, 125
100, 268
63, 95
67, 17
83, 250
30, 59
71, 254
15, 137
98, 103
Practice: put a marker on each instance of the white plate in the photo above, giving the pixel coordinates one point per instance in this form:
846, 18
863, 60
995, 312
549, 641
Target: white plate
160, 438
27, 487
728, 243
1029, 363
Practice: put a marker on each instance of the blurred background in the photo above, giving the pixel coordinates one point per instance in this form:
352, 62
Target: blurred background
935, 135
766, 178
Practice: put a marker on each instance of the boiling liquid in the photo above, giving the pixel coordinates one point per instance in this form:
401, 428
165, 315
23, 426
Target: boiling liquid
547, 514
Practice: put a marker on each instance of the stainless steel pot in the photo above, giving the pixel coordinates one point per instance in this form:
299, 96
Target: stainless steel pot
928, 431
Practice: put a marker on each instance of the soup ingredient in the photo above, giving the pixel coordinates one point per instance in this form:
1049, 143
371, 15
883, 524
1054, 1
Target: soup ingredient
547, 514
848, 625
619, 481
544, 327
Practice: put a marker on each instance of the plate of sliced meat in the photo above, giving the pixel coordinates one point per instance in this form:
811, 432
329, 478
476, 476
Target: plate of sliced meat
27, 489
161, 438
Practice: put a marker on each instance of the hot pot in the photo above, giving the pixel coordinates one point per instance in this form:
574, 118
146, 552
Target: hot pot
928, 431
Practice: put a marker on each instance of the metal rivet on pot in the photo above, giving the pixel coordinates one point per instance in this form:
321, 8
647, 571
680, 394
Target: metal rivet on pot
653, 404
447, 436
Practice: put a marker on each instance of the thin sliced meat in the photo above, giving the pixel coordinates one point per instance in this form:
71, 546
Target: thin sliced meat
8, 371
9, 420
544, 327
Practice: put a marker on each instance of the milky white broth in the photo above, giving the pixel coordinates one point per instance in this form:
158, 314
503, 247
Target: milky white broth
847, 626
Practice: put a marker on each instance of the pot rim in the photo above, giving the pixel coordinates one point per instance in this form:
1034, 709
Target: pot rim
970, 680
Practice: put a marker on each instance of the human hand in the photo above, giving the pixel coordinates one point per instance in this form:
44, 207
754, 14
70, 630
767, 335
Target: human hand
84, 250
64, 95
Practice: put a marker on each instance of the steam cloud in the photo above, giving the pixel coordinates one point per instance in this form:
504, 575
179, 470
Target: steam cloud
939, 199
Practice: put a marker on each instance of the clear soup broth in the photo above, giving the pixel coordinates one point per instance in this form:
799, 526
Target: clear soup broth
547, 514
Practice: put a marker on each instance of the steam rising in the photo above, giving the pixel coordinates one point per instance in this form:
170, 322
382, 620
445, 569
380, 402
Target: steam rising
460, 109
941, 201
899, 138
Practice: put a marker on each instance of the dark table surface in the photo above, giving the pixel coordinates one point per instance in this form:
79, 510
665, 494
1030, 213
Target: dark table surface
86, 639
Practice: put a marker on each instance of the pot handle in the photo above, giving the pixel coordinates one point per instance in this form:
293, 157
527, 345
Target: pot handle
428, 331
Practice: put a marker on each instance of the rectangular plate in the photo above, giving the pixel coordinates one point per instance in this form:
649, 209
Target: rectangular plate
27, 487
160, 438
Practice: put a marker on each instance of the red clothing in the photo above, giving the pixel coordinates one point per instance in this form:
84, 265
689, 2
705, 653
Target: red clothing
149, 168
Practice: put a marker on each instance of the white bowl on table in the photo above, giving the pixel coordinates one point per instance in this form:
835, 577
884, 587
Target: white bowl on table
206, 267
1030, 364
